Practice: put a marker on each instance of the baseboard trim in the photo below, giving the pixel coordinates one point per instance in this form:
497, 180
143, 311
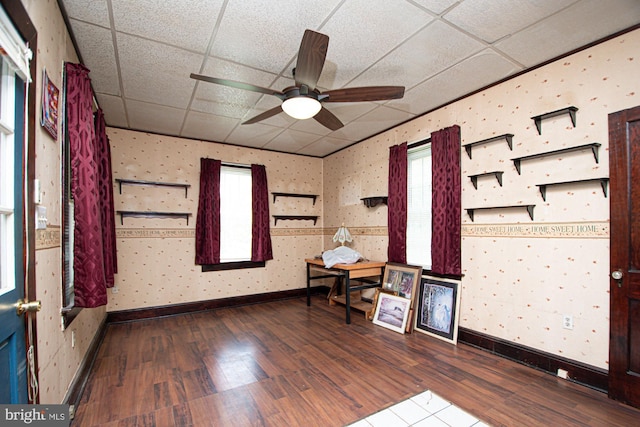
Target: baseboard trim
577, 372
192, 307
76, 388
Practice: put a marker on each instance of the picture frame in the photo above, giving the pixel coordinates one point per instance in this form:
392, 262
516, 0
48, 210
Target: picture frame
404, 280
401, 278
50, 99
392, 312
437, 308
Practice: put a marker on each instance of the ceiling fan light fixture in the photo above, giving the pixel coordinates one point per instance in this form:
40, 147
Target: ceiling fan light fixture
301, 107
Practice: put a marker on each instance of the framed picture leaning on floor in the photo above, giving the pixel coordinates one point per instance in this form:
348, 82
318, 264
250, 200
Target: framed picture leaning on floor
437, 309
392, 312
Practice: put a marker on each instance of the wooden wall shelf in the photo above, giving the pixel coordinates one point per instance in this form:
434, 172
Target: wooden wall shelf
151, 183
604, 182
149, 214
497, 174
372, 202
569, 110
306, 196
594, 146
295, 217
470, 211
507, 136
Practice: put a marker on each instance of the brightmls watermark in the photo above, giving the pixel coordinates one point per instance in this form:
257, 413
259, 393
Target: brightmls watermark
35, 415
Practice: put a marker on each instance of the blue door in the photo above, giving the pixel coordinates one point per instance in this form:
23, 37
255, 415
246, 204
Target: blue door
13, 360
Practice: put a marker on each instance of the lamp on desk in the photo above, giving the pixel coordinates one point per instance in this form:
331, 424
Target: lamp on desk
342, 235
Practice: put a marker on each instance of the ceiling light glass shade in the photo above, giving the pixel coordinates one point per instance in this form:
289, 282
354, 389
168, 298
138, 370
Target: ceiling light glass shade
301, 107
342, 235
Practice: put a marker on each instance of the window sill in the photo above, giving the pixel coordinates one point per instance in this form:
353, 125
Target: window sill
239, 265
68, 314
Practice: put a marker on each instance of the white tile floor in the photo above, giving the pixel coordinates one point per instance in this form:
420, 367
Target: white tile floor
425, 409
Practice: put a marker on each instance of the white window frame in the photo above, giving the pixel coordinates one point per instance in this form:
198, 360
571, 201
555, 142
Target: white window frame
419, 224
7, 177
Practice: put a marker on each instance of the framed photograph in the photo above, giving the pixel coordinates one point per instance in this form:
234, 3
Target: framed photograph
437, 309
49, 114
392, 312
401, 278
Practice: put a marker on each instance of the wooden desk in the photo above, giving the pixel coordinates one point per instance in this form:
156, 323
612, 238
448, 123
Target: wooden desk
350, 272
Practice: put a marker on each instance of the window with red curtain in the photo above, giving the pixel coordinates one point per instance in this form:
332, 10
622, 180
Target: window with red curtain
232, 229
445, 205
89, 214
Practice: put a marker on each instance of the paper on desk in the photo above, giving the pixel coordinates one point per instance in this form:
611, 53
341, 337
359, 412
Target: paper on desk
340, 255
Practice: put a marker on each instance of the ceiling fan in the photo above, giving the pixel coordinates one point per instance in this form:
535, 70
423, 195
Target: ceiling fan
303, 100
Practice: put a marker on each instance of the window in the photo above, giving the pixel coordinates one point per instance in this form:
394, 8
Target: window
7, 175
68, 291
235, 214
232, 227
419, 205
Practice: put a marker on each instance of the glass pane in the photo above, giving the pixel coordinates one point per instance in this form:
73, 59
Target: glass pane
7, 242
419, 207
235, 214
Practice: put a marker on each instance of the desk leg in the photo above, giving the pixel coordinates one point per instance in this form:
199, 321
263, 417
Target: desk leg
348, 296
308, 285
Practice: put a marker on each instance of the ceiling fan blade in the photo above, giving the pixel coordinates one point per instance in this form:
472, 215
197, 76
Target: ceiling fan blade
366, 93
238, 85
262, 116
327, 119
311, 56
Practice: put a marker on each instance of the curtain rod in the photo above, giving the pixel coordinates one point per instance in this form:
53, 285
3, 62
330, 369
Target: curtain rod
419, 143
236, 165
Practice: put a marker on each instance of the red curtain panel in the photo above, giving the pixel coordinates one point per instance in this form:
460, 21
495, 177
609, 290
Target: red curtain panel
208, 220
105, 174
261, 234
397, 204
446, 194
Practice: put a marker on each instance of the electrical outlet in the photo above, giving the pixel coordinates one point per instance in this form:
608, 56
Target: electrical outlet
114, 290
567, 321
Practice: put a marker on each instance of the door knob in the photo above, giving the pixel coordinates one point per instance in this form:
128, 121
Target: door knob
617, 276
27, 306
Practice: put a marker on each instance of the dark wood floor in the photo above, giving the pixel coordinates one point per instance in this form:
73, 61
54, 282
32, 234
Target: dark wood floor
286, 364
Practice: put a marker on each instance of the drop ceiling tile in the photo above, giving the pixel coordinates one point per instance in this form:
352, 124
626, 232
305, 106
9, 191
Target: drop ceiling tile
113, 109
378, 120
363, 31
472, 74
171, 22
324, 147
291, 141
256, 135
434, 48
248, 35
492, 20
436, 6
154, 118
577, 26
156, 73
94, 12
207, 127
99, 56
